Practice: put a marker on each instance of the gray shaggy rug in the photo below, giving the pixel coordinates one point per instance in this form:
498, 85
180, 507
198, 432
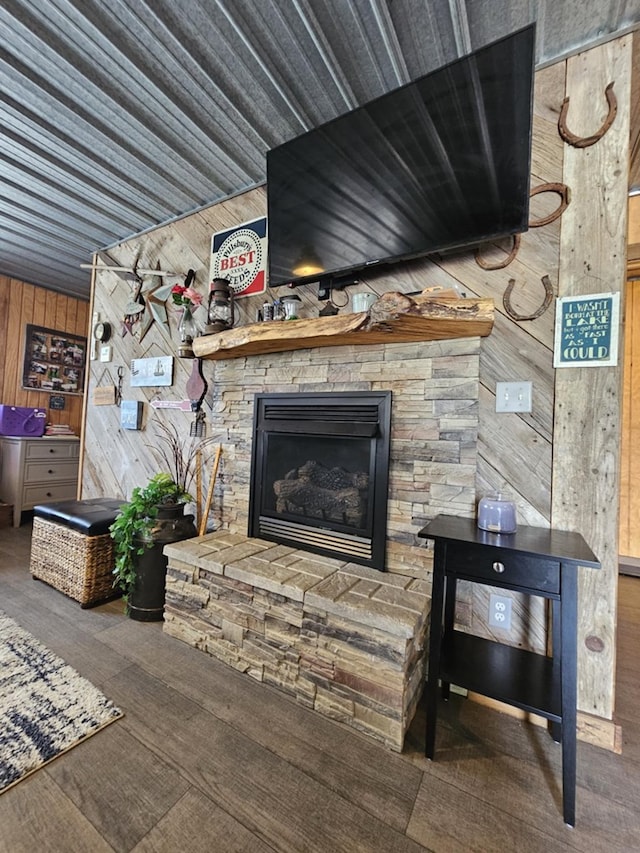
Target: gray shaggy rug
45, 706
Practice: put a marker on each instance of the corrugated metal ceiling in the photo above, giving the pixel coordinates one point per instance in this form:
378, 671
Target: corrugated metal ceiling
117, 115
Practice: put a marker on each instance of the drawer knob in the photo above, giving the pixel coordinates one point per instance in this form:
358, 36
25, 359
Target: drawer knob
50, 471
48, 494
51, 450
498, 567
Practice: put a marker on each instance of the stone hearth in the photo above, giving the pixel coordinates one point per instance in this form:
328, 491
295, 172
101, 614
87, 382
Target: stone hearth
345, 640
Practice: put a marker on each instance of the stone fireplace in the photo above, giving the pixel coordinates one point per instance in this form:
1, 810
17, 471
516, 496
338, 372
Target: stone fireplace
341, 637
319, 473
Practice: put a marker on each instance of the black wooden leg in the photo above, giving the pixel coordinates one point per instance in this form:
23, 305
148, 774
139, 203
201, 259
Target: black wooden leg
435, 646
449, 618
555, 729
569, 652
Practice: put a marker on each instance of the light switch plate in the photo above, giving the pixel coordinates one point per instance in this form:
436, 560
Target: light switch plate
513, 396
106, 353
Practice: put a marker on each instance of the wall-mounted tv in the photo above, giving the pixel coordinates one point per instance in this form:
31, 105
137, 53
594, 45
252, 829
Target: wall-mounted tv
440, 163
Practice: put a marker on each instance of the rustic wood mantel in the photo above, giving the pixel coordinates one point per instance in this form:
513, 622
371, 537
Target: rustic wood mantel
394, 318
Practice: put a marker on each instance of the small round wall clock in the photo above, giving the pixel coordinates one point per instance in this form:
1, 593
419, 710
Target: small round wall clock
102, 332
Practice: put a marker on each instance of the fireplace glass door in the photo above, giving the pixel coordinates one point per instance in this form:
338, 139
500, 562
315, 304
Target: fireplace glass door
320, 473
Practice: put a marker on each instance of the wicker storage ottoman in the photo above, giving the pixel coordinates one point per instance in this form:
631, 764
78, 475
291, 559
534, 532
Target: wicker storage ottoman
72, 550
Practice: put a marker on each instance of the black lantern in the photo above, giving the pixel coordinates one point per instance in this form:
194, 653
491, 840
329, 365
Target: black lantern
220, 311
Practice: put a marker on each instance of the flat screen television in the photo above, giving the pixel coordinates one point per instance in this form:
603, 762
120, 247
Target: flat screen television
440, 163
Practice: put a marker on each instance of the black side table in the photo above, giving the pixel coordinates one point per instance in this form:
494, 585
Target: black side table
533, 561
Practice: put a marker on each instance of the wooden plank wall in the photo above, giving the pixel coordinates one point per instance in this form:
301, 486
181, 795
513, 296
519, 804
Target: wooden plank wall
517, 453
586, 483
20, 304
629, 545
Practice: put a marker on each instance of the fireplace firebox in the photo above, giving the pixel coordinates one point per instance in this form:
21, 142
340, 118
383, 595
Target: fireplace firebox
319, 473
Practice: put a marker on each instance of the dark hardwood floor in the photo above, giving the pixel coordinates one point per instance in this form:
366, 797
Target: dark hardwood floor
207, 760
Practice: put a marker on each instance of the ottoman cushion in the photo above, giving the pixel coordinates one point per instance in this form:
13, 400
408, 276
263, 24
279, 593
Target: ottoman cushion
91, 517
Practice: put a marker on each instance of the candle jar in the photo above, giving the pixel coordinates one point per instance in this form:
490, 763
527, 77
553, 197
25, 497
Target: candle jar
497, 514
291, 307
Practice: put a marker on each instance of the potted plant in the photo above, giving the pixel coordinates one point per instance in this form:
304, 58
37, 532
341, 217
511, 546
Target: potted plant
153, 518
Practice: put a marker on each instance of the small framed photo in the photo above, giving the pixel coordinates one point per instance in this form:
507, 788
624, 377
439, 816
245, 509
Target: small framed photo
587, 330
53, 361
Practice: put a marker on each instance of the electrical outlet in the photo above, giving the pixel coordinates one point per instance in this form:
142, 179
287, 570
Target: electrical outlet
513, 396
500, 611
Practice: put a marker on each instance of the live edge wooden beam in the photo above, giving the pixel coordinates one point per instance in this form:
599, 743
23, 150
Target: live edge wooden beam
394, 318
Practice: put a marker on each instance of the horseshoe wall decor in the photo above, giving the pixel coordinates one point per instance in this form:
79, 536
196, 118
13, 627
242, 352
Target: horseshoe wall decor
565, 195
500, 264
548, 296
586, 141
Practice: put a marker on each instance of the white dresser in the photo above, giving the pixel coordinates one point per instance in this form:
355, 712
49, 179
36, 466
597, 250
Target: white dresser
37, 470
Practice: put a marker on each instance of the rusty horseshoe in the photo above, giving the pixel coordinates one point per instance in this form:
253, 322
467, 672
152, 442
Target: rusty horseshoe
500, 264
586, 141
565, 195
548, 296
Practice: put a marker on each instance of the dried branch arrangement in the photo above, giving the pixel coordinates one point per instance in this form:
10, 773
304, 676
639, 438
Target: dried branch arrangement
181, 457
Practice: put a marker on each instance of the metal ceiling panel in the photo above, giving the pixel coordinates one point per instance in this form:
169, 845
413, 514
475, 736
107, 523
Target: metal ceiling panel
118, 115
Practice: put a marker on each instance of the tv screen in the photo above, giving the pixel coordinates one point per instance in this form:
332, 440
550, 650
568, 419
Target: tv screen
440, 163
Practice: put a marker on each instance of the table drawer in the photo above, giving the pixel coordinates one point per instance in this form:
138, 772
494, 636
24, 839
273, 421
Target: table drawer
52, 449
42, 494
51, 469
498, 566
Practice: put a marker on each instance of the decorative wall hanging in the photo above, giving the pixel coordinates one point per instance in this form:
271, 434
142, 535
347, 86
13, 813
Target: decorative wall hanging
587, 329
196, 389
131, 414
565, 198
152, 371
548, 296
240, 255
586, 141
105, 395
56, 402
53, 361
133, 311
499, 265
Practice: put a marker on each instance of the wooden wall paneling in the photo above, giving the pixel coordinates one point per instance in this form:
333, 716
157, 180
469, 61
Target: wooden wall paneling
518, 452
509, 354
626, 421
26, 304
40, 307
21, 396
60, 315
587, 415
5, 290
14, 344
629, 544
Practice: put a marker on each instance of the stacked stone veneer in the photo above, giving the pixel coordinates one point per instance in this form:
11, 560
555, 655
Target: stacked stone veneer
346, 640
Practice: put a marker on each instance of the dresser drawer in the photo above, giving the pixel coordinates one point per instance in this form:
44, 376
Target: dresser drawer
43, 493
52, 449
498, 566
51, 469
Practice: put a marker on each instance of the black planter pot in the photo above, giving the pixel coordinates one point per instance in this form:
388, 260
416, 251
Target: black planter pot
146, 601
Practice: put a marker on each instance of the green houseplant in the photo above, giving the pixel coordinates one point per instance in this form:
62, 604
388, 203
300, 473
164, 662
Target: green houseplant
153, 517
132, 527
